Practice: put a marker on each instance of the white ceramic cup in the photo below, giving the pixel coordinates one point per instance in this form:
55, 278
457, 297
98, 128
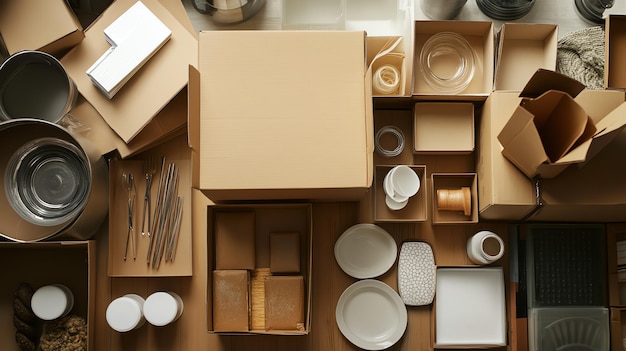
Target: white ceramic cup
390, 192
404, 181
52, 301
162, 308
395, 205
485, 247
126, 313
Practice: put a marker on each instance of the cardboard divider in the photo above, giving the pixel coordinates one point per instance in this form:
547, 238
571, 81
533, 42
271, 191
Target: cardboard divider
454, 181
416, 209
69, 263
443, 128
615, 43
269, 218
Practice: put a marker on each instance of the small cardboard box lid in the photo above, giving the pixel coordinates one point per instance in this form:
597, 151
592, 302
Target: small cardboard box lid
550, 130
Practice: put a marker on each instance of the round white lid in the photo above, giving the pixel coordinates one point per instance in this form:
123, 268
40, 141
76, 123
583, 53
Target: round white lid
160, 309
124, 314
51, 302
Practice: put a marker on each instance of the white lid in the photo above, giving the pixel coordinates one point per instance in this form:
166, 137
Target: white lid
161, 308
52, 301
124, 314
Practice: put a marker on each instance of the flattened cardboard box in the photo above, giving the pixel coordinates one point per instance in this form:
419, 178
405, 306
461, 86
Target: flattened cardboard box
549, 130
304, 128
151, 88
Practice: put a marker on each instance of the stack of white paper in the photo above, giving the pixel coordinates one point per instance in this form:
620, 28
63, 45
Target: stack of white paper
134, 37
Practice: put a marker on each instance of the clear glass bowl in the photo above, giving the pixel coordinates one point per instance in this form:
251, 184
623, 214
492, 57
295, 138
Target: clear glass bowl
47, 181
447, 62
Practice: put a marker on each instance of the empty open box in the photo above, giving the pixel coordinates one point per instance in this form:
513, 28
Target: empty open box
462, 185
443, 128
416, 210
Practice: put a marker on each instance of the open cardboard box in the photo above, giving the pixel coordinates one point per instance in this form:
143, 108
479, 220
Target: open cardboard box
614, 52
523, 48
454, 181
479, 35
71, 263
151, 88
268, 218
48, 26
389, 51
416, 209
443, 128
549, 130
305, 132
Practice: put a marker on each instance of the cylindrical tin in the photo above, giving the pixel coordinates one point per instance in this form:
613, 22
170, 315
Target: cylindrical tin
40, 199
52, 301
34, 84
162, 308
126, 313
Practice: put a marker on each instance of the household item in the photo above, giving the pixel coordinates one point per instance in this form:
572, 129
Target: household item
228, 12
386, 80
400, 183
397, 134
470, 307
442, 9
447, 62
485, 247
593, 10
52, 301
162, 308
505, 10
570, 328
131, 192
284, 302
34, 84
149, 169
135, 37
580, 55
125, 313
231, 300
371, 315
365, 251
455, 200
55, 183
416, 273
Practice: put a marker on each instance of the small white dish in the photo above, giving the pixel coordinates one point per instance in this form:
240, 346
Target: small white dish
389, 191
365, 251
371, 315
395, 205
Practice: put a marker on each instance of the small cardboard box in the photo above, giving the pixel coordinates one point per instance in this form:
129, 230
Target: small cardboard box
523, 48
71, 263
305, 131
454, 181
480, 36
385, 52
48, 26
416, 209
269, 218
151, 88
443, 128
549, 130
615, 52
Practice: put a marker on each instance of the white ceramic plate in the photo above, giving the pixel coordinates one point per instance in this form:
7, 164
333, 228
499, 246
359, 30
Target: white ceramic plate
371, 315
365, 251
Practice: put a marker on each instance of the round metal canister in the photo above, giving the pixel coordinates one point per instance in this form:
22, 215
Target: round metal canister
34, 84
55, 184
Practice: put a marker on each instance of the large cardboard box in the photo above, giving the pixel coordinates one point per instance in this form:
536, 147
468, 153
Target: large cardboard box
550, 131
268, 219
303, 129
523, 48
48, 26
153, 86
71, 263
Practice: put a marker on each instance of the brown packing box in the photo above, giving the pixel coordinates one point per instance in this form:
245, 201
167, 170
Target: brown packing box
235, 240
479, 35
285, 252
48, 26
151, 88
269, 218
284, 303
231, 300
549, 130
304, 129
443, 128
523, 48
615, 52
72, 264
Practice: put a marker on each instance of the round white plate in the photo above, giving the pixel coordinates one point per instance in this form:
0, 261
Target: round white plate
365, 251
371, 315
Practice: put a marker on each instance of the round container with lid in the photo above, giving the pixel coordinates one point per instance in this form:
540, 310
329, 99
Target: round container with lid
485, 247
126, 313
52, 301
162, 308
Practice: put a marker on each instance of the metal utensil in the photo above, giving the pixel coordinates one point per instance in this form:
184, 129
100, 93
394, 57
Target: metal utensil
131, 191
149, 169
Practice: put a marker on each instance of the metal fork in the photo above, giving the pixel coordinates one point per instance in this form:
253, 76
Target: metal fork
131, 191
149, 169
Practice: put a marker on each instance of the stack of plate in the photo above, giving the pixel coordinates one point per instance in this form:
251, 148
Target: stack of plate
505, 10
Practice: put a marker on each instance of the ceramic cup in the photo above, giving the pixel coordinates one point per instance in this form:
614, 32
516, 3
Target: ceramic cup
400, 183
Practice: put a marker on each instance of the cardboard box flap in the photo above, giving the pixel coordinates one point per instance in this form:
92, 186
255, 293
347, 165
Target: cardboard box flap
544, 80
